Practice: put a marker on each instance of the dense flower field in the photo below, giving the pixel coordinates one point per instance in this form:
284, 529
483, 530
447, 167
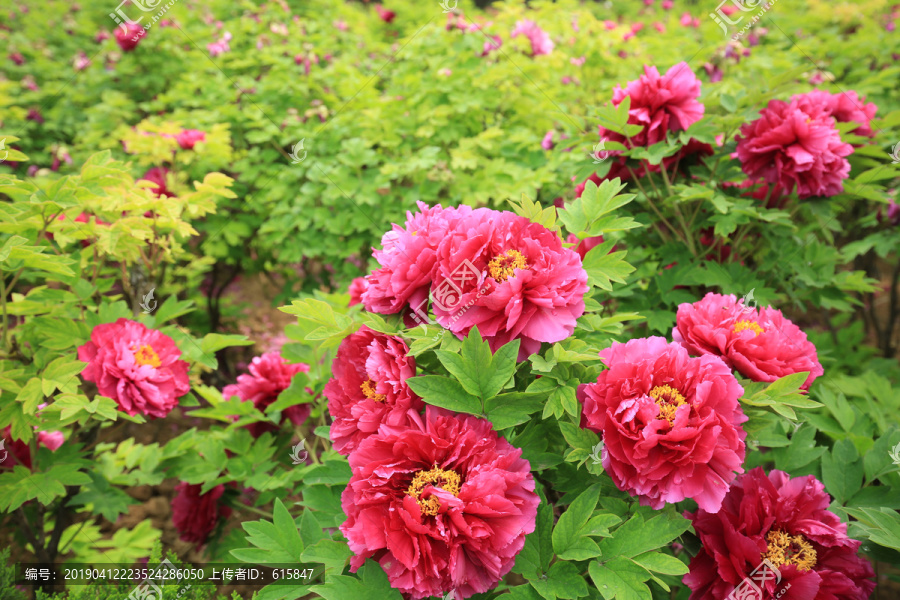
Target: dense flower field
441, 300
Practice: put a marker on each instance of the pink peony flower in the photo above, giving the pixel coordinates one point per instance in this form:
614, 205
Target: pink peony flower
81, 61
547, 143
269, 375
369, 387
795, 144
357, 288
511, 278
158, 176
384, 14
196, 515
17, 58
128, 35
671, 424
584, 246
688, 21
407, 259
189, 137
845, 107
761, 345
540, 39
786, 521
442, 505
220, 46
667, 4
137, 367
18, 452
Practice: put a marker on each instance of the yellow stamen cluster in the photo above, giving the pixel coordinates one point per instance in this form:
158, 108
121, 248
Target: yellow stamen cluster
503, 266
449, 481
784, 549
146, 355
368, 390
668, 399
751, 325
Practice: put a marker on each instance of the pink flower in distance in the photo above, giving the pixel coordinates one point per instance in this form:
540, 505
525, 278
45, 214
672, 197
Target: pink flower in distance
357, 288
582, 247
189, 137
671, 424
369, 387
408, 258
786, 521
759, 344
19, 453
158, 176
196, 515
137, 367
547, 143
845, 107
511, 278
384, 14
540, 39
795, 145
269, 375
442, 506
128, 35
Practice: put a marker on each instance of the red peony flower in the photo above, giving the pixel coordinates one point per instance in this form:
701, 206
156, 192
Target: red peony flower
845, 107
128, 35
159, 176
269, 375
584, 246
795, 144
137, 367
407, 259
356, 290
787, 522
189, 137
671, 424
16, 452
369, 387
761, 345
384, 14
196, 515
442, 505
511, 278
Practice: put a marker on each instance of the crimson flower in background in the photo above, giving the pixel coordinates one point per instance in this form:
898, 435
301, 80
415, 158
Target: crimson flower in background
159, 177
540, 39
671, 424
137, 367
795, 144
270, 374
129, 36
369, 387
189, 137
443, 505
759, 344
196, 515
787, 522
384, 14
511, 278
19, 453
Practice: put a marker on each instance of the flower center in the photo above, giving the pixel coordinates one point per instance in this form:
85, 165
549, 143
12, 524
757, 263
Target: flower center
503, 266
368, 389
449, 481
668, 399
751, 325
784, 549
145, 355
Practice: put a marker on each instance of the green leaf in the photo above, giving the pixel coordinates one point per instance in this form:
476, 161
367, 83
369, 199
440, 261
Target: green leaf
661, 563
621, 579
507, 410
569, 542
481, 374
881, 525
332, 554
213, 342
61, 374
30, 395
842, 471
274, 542
604, 267
445, 392
636, 536
562, 581
370, 583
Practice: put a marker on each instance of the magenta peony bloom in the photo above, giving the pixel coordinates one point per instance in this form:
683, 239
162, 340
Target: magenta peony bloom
547, 143
17, 452
442, 505
188, 137
511, 278
196, 515
220, 46
357, 288
845, 107
795, 144
407, 259
137, 367
128, 35
384, 14
540, 39
671, 424
369, 387
158, 176
787, 522
761, 345
269, 375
